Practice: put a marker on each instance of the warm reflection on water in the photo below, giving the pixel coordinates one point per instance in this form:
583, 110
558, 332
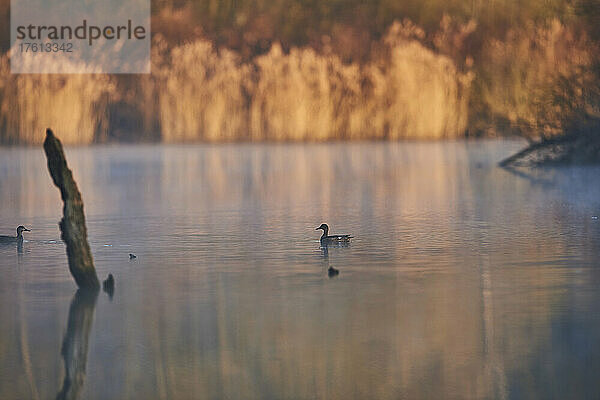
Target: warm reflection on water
464, 280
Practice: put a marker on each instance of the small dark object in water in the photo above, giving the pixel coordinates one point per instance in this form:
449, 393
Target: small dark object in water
132, 256
333, 272
109, 285
327, 239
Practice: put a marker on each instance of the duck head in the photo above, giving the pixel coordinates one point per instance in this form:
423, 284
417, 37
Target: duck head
22, 229
324, 228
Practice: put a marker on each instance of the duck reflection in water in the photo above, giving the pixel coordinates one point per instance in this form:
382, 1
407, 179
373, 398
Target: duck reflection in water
75, 343
331, 271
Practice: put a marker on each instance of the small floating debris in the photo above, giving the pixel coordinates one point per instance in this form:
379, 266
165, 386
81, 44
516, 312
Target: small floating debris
333, 272
595, 217
107, 245
109, 285
132, 256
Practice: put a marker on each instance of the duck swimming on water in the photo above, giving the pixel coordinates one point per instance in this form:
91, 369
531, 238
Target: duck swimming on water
327, 239
14, 239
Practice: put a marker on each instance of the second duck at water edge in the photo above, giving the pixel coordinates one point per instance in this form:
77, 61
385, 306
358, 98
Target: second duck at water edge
14, 239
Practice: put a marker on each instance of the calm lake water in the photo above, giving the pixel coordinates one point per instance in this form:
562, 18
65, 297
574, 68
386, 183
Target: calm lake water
464, 281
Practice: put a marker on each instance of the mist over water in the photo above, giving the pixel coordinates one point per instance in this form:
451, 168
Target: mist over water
464, 280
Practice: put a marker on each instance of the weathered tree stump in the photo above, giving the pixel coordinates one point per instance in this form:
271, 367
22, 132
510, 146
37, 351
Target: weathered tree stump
72, 225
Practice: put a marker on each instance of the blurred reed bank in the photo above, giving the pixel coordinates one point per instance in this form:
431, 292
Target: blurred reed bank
294, 70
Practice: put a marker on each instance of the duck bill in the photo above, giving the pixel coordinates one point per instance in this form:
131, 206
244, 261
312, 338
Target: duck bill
27, 230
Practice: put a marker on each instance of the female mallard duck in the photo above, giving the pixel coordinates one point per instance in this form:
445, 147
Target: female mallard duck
326, 238
14, 239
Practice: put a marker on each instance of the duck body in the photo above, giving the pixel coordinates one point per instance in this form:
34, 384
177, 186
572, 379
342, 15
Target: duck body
331, 272
326, 238
14, 239
8, 239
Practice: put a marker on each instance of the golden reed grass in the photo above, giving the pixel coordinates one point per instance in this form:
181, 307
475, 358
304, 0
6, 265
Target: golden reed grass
73, 105
197, 92
525, 77
211, 95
